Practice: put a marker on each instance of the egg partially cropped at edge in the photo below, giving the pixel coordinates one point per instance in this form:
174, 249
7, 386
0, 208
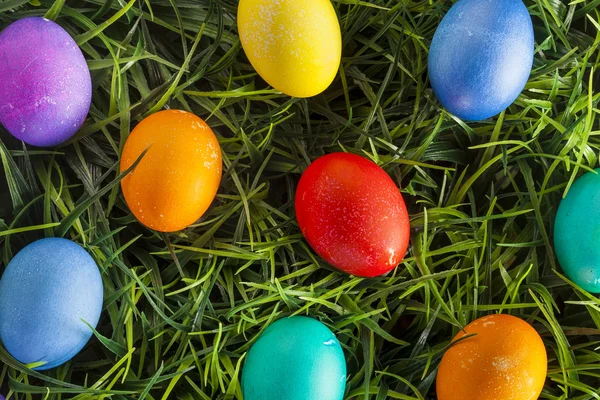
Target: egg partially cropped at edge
47, 292
46, 88
497, 357
295, 358
481, 57
294, 45
577, 230
178, 177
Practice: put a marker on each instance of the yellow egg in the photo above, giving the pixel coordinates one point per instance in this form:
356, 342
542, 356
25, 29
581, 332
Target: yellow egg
294, 45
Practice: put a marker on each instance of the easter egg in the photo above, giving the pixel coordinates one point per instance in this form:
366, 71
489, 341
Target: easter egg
503, 359
577, 232
47, 292
352, 214
294, 45
296, 358
46, 88
178, 177
481, 56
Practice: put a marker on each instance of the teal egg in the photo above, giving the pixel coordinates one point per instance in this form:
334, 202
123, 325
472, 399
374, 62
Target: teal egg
577, 232
296, 358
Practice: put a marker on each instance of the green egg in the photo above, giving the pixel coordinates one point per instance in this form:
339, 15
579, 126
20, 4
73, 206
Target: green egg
577, 232
296, 358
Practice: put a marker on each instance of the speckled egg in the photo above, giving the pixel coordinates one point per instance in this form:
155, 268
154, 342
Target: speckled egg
577, 232
503, 359
178, 177
296, 358
46, 88
46, 292
481, 56
294, 45
353, 214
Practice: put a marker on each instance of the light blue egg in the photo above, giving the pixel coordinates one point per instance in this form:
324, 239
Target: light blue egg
481, 56
295, 358
46, 292
577, 232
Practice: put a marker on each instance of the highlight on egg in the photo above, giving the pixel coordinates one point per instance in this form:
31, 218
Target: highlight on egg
481, 57
352, 214
576, 232
295, 358
48, 292
46, 88
294, 45
497, 357
178, 177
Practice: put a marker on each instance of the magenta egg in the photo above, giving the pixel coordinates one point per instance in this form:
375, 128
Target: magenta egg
46, 88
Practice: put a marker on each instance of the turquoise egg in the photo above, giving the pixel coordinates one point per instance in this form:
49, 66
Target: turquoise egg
577, 232
296, 358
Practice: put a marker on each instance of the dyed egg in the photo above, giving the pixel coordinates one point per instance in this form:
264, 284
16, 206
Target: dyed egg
577, 231
46, 88
47, 291
178, 177
504, 360
481, 57
352, 214
294, 45
295, 358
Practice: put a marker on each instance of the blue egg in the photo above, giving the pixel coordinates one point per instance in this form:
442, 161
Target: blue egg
295, 358
481, 57
577, 232
47, 291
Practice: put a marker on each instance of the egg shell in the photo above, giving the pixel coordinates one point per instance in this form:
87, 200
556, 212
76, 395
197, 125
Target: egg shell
46, 292
577, 232
178, 177
505, 359
296, 358
352, 214
46, 88
481, 56
294, 45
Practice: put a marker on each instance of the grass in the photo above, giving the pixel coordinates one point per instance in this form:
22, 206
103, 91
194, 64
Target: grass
182, 309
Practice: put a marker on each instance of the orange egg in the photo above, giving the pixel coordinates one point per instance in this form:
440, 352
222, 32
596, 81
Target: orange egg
178, 177
506, 360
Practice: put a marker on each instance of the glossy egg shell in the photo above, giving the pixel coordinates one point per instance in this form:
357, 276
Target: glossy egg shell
296, 358
577, 232
46, 88
504, 360
178, 177
481, 56
294, 45
352, 214
46, 292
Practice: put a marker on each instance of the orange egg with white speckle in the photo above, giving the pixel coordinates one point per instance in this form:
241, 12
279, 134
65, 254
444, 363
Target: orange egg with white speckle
177, 179
504, 360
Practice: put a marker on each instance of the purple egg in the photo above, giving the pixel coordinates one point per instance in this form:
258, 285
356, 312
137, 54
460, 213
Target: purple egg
46, 88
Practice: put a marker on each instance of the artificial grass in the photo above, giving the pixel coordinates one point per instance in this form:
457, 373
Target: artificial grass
182, 309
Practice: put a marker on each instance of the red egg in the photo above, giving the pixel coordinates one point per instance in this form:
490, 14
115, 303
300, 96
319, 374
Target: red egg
352, 214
